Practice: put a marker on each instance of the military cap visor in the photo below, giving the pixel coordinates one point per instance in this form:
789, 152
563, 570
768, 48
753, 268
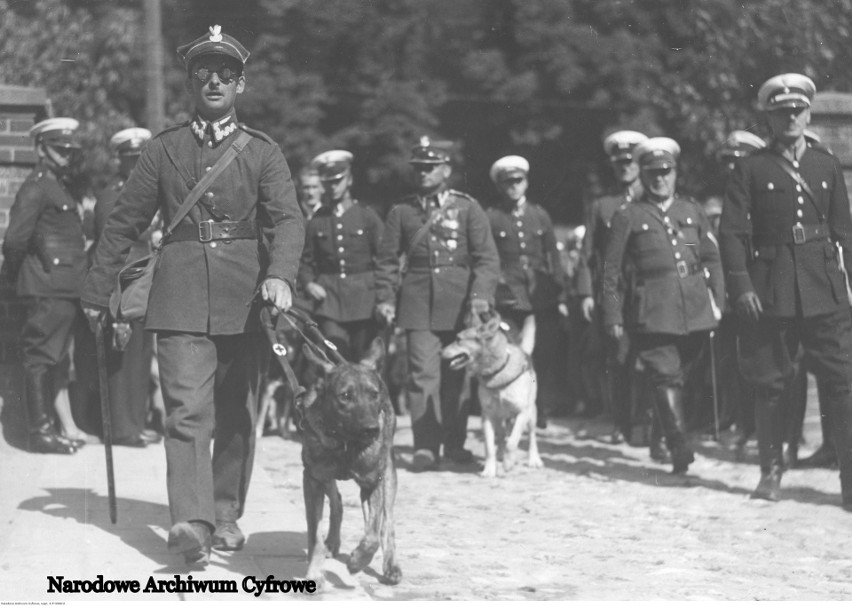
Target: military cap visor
786, 91
741, 143
332, 165
56, 132
213, 42
509, 166
130, 141
429, 152
657, 153
620, 144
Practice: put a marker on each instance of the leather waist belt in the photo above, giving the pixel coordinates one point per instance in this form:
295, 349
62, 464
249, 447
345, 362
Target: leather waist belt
344, 269
424, 263
207, 231
798, 234
682, 269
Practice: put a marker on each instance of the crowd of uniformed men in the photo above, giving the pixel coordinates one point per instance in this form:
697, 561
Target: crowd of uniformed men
630, 314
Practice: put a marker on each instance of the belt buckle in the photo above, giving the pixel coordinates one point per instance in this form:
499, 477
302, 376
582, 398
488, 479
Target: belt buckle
205, 231
799, 234
682, 269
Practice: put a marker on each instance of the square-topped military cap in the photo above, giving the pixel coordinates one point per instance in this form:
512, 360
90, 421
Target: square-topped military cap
214, 42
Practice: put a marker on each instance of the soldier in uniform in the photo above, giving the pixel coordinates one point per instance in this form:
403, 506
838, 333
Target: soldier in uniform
451, 267
310, 191
786, 207
530, 270
243, 238
45, 255
131, 350
678, 287
609, 358
338, 262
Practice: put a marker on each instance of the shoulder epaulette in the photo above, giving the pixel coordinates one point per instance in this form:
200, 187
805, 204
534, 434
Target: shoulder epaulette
820, 147
171, 128
409, 199
461, 194
257, 133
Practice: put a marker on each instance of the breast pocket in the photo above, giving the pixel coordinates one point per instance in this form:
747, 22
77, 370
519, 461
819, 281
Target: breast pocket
689, 233
769, 198
643, 238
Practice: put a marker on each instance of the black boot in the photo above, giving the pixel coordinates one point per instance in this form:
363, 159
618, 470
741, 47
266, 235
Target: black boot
770, 435
657, 449
825, 455
43, 438
839, 406
669, 403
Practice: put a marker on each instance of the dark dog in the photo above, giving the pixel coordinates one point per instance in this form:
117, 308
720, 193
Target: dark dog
348, 435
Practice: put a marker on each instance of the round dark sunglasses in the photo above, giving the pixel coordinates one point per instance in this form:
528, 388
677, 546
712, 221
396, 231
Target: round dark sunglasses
226, 74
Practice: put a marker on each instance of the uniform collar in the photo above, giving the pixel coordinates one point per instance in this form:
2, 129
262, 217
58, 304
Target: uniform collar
342, 207
220, 128
520, 206
633, 191
439, 199
794, 152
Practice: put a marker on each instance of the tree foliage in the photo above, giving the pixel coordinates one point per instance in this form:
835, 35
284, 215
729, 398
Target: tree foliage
542, 78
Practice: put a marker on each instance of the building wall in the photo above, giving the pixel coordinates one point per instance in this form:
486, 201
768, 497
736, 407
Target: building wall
831, 119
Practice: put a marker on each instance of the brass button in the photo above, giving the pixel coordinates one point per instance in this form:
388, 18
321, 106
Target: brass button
212, 245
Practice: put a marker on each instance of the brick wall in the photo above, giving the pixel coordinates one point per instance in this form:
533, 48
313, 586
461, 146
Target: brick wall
831, 119
20, 108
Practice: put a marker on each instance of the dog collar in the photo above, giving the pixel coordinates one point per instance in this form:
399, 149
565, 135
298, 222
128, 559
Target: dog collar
497, 380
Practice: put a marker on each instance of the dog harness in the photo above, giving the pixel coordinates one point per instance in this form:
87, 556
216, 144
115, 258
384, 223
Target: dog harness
517, 363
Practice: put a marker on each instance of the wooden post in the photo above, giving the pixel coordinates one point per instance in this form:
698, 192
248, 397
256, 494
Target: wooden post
155, 99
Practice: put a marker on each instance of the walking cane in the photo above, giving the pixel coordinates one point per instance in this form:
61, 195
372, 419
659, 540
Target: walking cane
105, 415
713, 381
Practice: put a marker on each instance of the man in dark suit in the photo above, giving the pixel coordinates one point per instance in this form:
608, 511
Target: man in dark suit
786, 209
338, 262
607, 359
678, 285
44, 254
530, 271
451, 268
242, 238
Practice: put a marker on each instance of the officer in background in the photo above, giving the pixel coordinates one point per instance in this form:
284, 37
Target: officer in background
131, 348
678, 287
338, 262
45, 255
531, 278
309, 191
239, 244
608, 360
786, 207
736, 401
451, 268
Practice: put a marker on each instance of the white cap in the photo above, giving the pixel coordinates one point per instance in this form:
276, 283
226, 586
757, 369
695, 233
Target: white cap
507, 165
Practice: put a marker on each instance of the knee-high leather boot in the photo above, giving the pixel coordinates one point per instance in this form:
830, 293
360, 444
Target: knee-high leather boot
658, 450
839, 405
43, 438
669, 402
769, 419
825, 455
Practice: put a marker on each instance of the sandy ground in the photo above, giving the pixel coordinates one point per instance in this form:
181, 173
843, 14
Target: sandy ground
602, 521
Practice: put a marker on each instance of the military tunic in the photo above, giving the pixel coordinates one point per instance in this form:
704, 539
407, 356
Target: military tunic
455, 262
670, 302
45, 254
529, 259
216, 279
339, 255
209, 347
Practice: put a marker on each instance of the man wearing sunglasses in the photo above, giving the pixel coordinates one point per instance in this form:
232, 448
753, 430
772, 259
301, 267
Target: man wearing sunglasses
786, 210
451, 269
236, 250
677, 286
530, 272
45, 256
607, 360
338, 262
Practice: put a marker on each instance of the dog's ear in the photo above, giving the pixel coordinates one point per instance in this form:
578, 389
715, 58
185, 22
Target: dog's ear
492, 326
324, 366
374, 358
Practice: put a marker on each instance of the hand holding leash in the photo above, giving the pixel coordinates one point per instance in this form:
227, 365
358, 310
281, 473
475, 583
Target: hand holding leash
95, 317
386, 313
277, 293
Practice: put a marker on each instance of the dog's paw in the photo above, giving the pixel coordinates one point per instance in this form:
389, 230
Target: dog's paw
392, 575
490, 471
535, 462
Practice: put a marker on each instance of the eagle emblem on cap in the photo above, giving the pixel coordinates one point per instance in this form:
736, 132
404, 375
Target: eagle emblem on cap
424, 142
215, 33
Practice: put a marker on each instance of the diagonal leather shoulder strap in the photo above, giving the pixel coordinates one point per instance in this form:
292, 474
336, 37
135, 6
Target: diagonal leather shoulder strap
221, 164
785, 165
